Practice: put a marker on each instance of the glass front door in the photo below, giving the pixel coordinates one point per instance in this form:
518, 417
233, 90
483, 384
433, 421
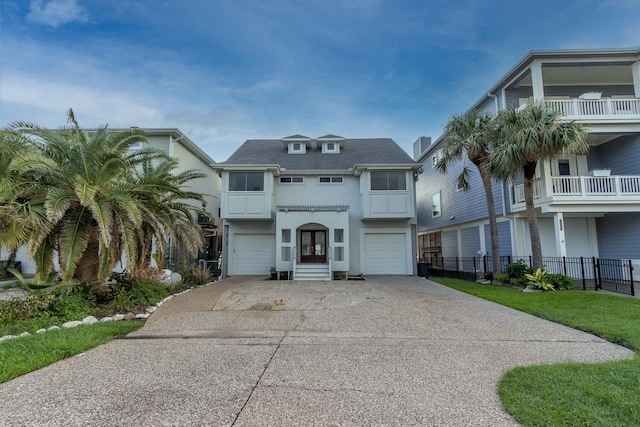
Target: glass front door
313, 245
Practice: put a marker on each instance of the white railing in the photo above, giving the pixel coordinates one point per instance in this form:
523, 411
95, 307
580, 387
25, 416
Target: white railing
617, 185
518, 191
595, 107
330, 254
294, 255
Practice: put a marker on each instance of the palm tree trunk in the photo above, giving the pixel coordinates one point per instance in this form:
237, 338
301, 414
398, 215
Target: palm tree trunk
534, 231
493, 223
89, 265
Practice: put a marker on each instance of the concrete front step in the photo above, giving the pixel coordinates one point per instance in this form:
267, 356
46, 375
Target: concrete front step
312, 272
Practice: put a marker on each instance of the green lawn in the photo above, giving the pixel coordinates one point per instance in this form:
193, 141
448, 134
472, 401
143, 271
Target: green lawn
572, 394
21, 355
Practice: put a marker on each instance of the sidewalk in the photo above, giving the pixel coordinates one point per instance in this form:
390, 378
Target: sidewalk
247, 352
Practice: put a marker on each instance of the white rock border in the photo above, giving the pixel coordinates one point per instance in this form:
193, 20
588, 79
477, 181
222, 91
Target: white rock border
89, 320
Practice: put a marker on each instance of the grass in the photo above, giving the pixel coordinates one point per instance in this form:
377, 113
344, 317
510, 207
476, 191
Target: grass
22, 355
572, 394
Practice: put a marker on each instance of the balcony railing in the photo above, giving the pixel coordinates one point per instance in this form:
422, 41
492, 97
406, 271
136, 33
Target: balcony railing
595, 107
617, 185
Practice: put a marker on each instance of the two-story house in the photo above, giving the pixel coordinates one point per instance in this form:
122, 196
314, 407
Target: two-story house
189, 156
587, 205
319, 208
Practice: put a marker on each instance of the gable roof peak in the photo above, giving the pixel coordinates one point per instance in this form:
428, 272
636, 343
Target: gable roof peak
331, 137
296, 137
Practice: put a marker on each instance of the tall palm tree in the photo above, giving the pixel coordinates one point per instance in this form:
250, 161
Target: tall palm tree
471, 134
526, 136
91, 215
164, 200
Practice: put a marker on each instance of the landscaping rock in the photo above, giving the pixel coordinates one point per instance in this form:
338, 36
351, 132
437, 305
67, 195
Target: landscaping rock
118, 317
53, 328
151, 309
89, 320
40, 331
24, 334
107, 319
129, 316
7, 337
142, 315
72, 324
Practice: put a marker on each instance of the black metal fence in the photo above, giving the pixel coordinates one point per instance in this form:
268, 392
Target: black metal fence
613, 275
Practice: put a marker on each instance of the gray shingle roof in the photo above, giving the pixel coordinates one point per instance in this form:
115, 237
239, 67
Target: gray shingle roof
379, 151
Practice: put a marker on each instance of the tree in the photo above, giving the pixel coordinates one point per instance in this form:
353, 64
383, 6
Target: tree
163, 195
92, 207
526, 136
471, 134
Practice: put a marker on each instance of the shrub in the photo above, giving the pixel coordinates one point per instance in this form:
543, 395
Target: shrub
561, 282
518, 269
30, 306
502, 277
194, 276
541, 279
72, 307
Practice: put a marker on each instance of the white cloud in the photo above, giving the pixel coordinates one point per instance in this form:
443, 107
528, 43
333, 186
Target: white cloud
56, 12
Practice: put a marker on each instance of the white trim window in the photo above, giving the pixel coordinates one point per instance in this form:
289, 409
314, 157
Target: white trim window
246, 181
330, 180
291, 180
330, 147
388, 180
436, 205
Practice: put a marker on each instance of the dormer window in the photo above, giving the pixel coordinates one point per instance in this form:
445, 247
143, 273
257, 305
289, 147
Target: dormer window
330, 143
297, 144
330, 147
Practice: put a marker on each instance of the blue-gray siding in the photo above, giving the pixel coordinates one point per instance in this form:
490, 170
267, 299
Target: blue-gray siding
619, 236
470, 240
462, 206
622, 155
504, 238
449, 244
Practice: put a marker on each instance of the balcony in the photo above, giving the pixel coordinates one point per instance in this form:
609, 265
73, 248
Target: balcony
589, 189
605, 108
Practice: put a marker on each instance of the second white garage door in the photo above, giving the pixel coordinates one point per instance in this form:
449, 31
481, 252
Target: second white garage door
254, 254
385, 253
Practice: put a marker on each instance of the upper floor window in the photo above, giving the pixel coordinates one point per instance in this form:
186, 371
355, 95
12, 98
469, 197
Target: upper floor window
291, 179
297, 148
330, 147
246, 181
330, 179
388, 180
436, 207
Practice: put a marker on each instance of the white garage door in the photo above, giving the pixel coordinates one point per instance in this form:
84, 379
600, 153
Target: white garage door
254, 254
385, 253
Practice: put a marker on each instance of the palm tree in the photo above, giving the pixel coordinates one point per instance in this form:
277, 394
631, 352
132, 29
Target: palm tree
91, 213
164, 199
526, 136
471, 134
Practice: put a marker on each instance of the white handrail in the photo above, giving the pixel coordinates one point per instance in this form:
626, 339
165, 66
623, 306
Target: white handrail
293, 260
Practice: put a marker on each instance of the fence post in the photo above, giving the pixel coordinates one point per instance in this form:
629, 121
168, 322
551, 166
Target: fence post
484, 263
596, 271
633, 292
475, 269
457, 268
584, 280
564, 265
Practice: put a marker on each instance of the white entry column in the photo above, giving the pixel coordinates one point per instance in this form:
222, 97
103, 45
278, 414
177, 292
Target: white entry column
559, 227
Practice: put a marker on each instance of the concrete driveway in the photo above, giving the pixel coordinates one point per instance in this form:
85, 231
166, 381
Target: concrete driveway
248, 352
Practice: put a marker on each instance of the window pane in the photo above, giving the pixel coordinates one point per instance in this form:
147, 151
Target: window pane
237, 181
255, 181
435, 205
286, 235
338, 235
379, 181
336, 179
397, 181
297, 179
325, 179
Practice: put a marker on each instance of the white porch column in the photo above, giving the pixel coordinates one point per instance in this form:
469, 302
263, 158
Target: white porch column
558, 227
635, 72
536, 81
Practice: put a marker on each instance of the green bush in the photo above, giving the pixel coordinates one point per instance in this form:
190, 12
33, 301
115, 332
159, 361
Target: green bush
193, 276
72, 307
502, 277
518, 269
30, 306
561, 282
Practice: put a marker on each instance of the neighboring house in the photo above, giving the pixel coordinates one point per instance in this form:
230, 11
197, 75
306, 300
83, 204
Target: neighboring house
189, 156
319, 208
580, 214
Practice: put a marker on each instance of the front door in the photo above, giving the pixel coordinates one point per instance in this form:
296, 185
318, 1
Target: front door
313, 245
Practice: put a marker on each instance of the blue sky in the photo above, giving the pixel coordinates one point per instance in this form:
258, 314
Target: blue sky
224, 71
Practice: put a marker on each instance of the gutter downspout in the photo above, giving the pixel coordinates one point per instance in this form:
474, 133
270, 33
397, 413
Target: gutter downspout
495, 100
